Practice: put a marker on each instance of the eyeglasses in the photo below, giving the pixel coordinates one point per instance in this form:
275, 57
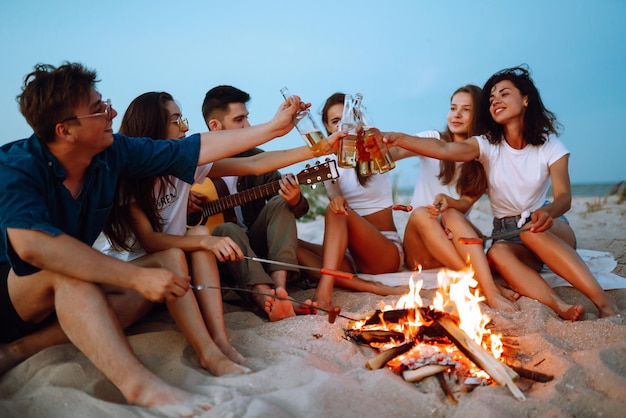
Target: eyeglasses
182, 123
106, 113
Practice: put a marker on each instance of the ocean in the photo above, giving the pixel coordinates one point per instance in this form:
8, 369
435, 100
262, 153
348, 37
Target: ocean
578, 190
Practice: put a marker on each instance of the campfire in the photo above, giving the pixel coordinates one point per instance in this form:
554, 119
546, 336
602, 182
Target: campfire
449, 339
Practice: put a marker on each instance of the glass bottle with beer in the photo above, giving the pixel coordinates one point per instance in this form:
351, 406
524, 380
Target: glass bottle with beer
308, 128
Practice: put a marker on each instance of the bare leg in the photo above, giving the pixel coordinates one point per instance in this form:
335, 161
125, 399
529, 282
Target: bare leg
567, 263
365, 243
128, 305
186, 313
516, 265
204, 271
454, 255
103, 342
424, 237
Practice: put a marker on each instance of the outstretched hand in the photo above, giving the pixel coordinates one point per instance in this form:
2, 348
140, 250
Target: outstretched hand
284, 119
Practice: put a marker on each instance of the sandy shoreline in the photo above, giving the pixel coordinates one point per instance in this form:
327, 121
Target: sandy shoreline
304, 367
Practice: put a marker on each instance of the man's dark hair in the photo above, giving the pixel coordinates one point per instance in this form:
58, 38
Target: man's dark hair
50, 95
217, 99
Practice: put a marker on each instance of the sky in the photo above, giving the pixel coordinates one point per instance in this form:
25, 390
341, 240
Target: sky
405, 57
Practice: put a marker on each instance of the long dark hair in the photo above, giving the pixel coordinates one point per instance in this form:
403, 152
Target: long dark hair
333, 99
539, 122
146, 116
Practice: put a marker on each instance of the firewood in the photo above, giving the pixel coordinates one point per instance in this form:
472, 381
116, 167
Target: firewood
374, 336
382, 358
445, 387
498, 371
423, 372
532, 374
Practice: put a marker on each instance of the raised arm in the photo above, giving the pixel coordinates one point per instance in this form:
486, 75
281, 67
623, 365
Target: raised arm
431, 147
265, 162
215, 145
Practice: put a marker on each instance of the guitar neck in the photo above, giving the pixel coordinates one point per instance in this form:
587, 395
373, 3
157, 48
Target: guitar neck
228, 202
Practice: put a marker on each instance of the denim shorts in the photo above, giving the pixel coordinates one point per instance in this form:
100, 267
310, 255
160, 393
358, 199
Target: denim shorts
510, 223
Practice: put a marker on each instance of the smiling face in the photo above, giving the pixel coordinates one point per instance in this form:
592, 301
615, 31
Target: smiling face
460, 115
506, 102
89, 132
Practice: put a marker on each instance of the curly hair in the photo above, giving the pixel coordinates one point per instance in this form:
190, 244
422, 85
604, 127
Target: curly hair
50, 94
539, 122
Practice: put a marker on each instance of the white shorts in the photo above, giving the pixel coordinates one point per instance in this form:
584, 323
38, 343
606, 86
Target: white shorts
394, 237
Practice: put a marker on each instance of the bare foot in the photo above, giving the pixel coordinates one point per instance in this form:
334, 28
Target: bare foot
508, 293
219, 365
234, 355
381, 289
276, 308
323, 303
572, 312
608, 311
502, 303
157, 393
307, 307
229, 351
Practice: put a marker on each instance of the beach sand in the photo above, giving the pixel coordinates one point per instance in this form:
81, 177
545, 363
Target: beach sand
305, 367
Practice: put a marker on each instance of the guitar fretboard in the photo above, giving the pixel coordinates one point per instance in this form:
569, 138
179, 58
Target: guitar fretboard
228, 202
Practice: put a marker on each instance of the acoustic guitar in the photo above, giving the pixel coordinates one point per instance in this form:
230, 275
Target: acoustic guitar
219, 204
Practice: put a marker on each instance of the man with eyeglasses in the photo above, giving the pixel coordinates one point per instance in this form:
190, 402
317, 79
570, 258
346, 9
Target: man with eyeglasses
59, 188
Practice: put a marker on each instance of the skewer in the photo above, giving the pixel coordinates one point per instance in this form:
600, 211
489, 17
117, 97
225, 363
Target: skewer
481, 240
333, 312
336, 273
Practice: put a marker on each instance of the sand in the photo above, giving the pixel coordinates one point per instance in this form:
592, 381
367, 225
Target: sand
305, 367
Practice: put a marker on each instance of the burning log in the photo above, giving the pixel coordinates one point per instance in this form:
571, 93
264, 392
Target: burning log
382, 358
498, 371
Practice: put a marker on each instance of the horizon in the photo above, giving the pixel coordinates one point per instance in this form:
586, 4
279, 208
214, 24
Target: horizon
406, 57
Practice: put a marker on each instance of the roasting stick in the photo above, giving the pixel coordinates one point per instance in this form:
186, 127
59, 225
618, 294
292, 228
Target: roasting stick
336, 273
481, 240
333, 312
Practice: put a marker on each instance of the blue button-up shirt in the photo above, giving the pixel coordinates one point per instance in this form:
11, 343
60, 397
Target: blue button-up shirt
35, 198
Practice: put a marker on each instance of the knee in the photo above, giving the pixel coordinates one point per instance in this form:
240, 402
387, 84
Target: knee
496, 254
420, 219
453, 217
173, 258
198, 230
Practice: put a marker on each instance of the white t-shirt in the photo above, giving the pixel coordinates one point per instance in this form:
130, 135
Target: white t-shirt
172, 208
428, 184
518, 179
364, 200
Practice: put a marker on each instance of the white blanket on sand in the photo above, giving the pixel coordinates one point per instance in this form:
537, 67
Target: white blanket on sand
600, 263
